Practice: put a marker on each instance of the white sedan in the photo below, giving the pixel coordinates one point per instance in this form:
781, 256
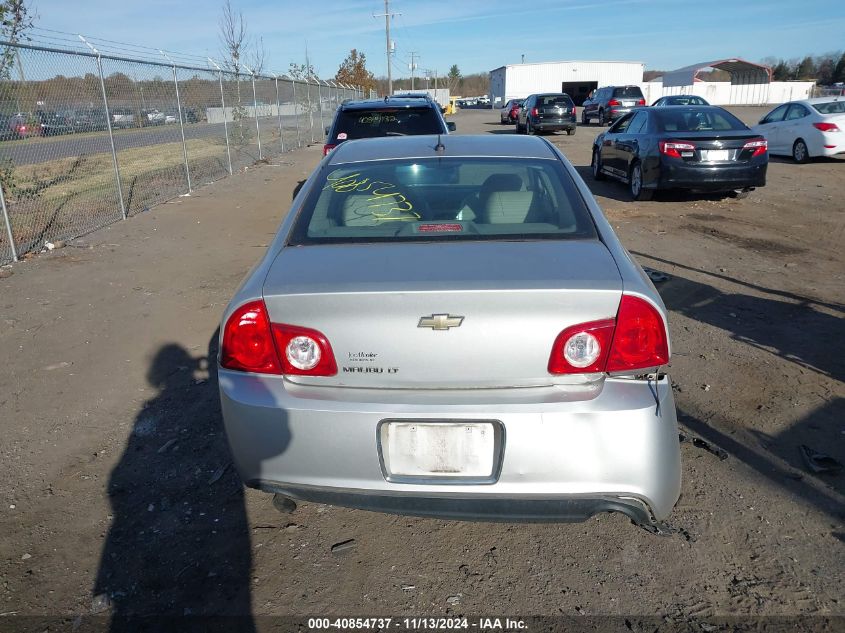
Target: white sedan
806, 129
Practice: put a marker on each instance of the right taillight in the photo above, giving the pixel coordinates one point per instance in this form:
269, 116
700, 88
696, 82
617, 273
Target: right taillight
636, 339
639, 340
759, 145
327, 148
826, 127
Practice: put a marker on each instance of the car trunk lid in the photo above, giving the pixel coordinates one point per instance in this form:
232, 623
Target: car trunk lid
468, 315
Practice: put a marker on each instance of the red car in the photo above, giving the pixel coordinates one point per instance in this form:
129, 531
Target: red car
21, 126
510, 111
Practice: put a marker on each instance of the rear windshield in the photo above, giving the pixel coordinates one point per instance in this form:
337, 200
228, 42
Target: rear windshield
352, 124
553, 100
831, 107
628, 92
685, 101
672, 120
443, 199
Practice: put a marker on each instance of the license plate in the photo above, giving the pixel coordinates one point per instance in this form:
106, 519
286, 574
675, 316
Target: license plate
715, 154
438, 449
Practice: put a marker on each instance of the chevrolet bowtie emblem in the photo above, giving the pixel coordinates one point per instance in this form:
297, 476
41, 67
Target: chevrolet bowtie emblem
440, 321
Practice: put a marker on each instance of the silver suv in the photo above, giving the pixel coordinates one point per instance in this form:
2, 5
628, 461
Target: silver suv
610, 103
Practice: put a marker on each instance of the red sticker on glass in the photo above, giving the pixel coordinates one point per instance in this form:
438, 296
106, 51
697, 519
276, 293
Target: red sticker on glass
440, 228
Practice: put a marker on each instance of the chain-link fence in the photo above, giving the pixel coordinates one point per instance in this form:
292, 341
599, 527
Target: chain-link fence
88, 139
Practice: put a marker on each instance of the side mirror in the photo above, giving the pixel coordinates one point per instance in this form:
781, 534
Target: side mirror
450, 125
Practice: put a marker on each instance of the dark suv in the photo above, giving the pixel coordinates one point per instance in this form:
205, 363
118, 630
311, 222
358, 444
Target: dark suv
547, 112
391, 116
610, 103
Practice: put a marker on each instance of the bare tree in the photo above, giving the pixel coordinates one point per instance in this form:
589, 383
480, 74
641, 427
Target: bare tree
15, 19
257, 55
232, 37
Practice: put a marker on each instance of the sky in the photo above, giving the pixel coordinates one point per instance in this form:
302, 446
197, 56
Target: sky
477, 35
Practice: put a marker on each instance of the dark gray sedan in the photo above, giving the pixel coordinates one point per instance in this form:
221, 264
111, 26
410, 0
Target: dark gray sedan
448, 326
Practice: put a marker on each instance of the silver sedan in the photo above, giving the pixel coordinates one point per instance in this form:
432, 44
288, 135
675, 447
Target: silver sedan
448, 326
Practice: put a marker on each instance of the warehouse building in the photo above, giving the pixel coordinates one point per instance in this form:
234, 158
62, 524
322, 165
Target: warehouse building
576, 78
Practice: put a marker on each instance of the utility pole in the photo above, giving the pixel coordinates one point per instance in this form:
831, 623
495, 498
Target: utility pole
387, 15
413, 68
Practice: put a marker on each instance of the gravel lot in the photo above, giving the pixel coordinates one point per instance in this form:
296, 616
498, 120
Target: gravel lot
118, 496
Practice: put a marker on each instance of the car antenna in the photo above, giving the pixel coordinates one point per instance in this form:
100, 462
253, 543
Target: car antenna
440, 147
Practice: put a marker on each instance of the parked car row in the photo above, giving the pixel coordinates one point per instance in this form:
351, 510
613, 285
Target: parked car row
681, 142
72, 121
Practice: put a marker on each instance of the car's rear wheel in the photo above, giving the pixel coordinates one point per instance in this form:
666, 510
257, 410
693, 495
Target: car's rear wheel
584, 119
528, 129
569, 132
635, 181
799, 151
601, 118
595, 166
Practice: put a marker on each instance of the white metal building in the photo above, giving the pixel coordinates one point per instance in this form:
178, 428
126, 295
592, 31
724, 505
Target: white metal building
576, 78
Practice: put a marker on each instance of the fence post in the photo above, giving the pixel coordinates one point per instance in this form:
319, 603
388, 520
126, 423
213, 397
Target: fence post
108, 123
223, 105
8, 224
320, 105
255, 112
279, 113
310, 111
181, 124
295, 112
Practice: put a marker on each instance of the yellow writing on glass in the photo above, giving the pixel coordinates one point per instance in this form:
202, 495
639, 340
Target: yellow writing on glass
375, 119
384, 203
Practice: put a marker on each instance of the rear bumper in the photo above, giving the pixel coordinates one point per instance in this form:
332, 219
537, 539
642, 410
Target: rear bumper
554, 125
569, 509
674, 173
616, 113
563, 457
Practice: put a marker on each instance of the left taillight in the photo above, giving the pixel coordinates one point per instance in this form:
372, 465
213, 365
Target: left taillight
251, 343
675, 148
248, 341
327, 148
304, 352
759, 145
535, 112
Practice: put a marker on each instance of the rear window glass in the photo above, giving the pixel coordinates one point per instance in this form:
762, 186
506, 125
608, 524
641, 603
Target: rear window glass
553, 100
685, 101
628, 92
352, 124
443, 199
671, 120
831, 107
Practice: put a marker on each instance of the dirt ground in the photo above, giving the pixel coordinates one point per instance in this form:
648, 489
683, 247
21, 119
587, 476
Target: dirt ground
118, 497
